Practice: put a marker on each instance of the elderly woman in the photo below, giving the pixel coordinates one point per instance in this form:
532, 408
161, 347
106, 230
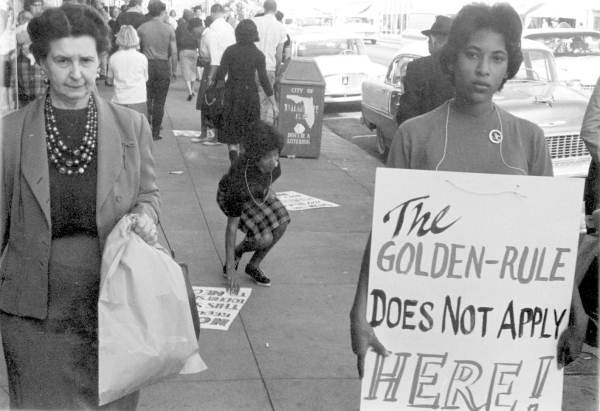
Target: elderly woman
242, 62
72, 165
483, 51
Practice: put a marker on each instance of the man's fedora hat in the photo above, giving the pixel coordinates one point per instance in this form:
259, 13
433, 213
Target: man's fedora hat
441, 25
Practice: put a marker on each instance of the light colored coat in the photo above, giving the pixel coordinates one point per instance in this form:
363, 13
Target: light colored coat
126, 183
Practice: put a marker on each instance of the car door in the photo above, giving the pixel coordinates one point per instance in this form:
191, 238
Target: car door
378, 95
396, 82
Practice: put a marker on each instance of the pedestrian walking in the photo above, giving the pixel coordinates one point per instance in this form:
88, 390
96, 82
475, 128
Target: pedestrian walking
242, 62
272, 37
157, 40
134, 15
172, 19
245, 196
187, 47
58, 203
216, 38
483, 51
425, 85
128, 71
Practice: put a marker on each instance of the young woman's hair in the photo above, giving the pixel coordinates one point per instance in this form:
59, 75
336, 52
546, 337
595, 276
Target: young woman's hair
127, 37
500, 18
246, 32
262, 138
68, 20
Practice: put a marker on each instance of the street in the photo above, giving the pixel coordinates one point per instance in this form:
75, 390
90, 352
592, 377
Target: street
344, 119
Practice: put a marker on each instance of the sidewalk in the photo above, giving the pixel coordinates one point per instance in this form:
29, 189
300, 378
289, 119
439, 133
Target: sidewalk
289, 349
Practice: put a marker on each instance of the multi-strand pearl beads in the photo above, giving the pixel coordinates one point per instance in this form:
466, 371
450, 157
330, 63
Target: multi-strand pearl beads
71, 161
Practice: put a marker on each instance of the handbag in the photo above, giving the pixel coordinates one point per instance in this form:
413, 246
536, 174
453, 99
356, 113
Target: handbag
145, 326
213, 105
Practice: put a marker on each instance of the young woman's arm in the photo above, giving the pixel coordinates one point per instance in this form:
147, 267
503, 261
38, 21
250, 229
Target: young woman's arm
361, 333
266, 84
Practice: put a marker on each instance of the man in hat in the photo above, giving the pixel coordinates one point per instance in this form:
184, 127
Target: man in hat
425, 85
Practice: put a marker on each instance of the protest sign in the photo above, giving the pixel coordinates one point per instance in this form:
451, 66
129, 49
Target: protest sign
470, 283
217, 308
294, 201
186, 133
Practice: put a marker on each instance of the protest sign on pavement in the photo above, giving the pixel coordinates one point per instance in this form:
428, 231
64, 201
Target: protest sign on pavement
470, 283
294, 201
217, 308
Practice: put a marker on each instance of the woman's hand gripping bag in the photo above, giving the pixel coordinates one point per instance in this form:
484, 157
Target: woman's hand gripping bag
145, 328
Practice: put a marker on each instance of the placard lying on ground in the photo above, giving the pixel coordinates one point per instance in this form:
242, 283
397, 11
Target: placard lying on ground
469, 288
294, 201
186, 133
217, 308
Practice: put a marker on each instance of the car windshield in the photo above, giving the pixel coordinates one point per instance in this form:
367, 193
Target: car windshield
570, 44
358, 20
313, 21
537, 66
330, 47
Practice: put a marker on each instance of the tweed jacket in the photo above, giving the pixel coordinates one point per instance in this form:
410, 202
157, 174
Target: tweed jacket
126, 183
425, 88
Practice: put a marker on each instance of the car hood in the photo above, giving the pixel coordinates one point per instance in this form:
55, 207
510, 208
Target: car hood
586, 69
344, 64
555, 108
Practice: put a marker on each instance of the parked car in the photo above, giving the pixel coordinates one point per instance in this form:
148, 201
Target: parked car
342, 60
362, 26
534, 94
577, 54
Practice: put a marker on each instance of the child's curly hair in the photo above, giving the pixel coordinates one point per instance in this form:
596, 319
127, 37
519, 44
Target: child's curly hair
261, 139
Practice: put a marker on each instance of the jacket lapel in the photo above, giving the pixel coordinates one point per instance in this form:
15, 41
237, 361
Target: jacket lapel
34, 158
110, 152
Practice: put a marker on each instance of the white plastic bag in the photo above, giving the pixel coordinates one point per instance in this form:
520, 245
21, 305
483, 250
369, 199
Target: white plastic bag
145, 329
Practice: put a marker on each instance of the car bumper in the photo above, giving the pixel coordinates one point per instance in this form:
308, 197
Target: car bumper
353, 98
571, 167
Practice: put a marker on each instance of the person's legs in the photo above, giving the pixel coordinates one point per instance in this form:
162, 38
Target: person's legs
261, 245
265, 245
151, 88
208, 74
161, 86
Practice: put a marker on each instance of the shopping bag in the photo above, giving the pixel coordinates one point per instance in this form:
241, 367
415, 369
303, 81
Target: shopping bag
145, 327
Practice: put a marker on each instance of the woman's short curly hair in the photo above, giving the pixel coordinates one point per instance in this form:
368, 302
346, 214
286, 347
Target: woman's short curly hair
68, 20
246, 32
262, 138
500, 18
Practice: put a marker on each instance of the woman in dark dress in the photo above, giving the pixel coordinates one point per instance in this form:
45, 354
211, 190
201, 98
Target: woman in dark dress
241, 62
71, 166
246, 198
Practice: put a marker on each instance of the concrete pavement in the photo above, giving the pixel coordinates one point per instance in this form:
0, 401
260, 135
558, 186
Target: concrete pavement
289, 349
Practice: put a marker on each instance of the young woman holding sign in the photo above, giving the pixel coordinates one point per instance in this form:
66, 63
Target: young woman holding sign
469, 133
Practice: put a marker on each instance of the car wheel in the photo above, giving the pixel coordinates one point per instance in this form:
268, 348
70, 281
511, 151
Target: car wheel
373, 41
380, 144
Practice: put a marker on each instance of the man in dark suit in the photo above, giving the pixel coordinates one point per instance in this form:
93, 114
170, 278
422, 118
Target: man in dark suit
425, 85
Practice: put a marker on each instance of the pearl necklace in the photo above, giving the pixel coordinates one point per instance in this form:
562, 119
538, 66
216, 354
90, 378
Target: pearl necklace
71, 161
250, 192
